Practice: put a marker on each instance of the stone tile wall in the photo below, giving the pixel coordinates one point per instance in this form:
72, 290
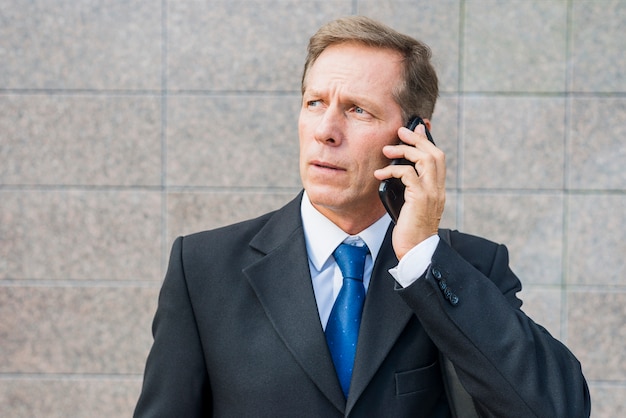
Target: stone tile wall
125, 124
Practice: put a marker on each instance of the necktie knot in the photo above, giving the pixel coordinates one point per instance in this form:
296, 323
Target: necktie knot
351, 260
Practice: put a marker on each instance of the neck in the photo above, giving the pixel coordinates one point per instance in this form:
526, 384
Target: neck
352, 221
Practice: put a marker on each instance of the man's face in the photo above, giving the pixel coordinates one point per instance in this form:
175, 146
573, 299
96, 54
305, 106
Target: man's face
348, 114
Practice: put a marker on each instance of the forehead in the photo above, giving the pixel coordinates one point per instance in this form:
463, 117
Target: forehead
356, 67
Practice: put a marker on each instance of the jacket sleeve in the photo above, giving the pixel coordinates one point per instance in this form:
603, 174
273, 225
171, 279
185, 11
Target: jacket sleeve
175, 380
510, 365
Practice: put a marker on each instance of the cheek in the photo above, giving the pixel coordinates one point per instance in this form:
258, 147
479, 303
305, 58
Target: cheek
302, 137
370, 160
375, 156
304, 141
305, 130
377, 161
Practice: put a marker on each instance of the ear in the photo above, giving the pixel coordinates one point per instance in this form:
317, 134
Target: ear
427, 123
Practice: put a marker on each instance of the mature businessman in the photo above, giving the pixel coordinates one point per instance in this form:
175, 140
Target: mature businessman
265, 318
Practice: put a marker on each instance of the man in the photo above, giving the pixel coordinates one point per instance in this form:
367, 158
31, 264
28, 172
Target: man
246, 323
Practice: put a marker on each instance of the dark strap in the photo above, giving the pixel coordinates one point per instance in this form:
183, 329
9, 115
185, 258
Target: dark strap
460, 402
444, 234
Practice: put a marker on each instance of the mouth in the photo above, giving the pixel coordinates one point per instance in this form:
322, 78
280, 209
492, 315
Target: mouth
326, 166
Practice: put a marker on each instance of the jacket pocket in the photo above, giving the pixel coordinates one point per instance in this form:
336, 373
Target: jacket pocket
418, 380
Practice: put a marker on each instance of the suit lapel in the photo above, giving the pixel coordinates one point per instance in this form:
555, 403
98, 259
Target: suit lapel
282, 283
385, 316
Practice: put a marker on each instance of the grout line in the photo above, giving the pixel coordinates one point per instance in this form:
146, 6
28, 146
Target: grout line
80, 283
71, 376
460, 120
607, 383
146, 188
146, 92
565, 183
164, 121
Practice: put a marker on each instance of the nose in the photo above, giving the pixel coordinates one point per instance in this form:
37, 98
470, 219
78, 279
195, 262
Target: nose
330, 129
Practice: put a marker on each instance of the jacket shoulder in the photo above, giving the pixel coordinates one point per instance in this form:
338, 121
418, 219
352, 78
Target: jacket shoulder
480, 252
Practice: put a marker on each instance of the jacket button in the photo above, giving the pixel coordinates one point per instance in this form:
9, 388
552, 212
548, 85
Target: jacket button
454, 299
436, 273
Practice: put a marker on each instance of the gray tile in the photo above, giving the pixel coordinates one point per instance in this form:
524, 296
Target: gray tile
449, 217
434, 23
597, 152
517, 45
74, 234
543, 305
80, 140
198, 211
68, 330
530, 225
81, 230
243, 45
596, 239
228, 142
76, 397
598, 44
607, 400
513, 142
446, 135
80, 45
597, 331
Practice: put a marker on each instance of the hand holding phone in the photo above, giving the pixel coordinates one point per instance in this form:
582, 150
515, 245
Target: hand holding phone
391, 191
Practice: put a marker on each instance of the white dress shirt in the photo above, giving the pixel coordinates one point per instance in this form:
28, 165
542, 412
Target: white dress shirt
322, 238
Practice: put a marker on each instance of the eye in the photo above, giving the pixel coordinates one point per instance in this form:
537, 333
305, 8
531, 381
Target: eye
359, 111
313, 103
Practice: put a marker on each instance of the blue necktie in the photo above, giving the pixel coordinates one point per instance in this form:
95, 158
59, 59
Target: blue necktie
342, 329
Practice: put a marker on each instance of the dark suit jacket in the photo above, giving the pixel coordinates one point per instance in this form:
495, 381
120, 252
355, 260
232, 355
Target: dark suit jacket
237, 334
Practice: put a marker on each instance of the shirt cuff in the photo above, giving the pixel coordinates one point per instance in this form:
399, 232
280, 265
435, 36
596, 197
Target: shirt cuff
414, 264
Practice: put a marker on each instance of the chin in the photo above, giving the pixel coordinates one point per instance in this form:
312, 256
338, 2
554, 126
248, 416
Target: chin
325, 195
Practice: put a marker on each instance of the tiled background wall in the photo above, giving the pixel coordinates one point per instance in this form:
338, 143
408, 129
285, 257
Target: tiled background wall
124, 124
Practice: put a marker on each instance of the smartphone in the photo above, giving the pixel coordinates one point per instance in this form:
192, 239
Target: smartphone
391, 191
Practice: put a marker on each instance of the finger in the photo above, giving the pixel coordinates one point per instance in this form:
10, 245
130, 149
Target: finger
424, 153
406, 173
415, 138
421, 161
397, 151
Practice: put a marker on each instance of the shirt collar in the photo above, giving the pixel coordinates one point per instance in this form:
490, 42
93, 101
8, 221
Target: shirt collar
323, 236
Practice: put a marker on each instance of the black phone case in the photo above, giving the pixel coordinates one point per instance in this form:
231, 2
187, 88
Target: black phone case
391, 191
